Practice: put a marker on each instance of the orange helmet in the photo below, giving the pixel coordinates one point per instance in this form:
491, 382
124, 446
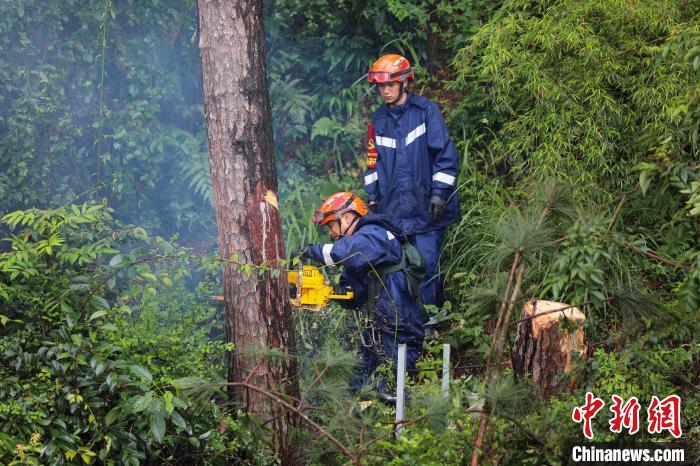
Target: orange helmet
391, 67
336, 205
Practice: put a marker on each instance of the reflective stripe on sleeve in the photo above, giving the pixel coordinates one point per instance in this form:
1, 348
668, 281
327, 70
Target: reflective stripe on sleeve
415, 134
327, 254
386, 142
444, 178
371, 178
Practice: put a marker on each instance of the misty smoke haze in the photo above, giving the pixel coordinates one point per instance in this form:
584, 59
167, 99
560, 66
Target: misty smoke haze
103, 101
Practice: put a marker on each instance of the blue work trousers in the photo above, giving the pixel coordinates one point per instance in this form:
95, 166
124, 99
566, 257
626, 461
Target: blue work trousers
429, 244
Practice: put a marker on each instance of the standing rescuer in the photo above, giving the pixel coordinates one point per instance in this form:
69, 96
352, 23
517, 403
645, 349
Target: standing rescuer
383, 270
412, 167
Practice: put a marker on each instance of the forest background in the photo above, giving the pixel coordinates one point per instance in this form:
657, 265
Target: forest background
590, 109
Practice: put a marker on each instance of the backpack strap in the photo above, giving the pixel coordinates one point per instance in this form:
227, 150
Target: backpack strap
395, 267
413, 268
413, 272
370, 336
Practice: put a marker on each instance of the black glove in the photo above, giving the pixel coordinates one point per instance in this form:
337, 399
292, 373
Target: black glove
372, 208
436, 208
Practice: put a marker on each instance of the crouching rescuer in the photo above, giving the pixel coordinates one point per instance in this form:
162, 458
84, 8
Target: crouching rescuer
384, 271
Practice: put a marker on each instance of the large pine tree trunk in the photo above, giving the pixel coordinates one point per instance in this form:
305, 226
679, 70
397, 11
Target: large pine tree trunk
242, 162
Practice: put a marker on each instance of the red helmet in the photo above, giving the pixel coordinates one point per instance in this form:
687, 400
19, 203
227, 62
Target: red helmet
336, 205
391, 67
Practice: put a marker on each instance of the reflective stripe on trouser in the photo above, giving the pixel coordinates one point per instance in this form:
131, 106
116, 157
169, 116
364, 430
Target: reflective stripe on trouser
368, 361
429, 245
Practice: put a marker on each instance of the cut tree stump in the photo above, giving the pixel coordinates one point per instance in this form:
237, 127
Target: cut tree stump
545, 349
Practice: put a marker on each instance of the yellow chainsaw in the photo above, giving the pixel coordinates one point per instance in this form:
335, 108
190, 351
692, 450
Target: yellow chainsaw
309, 289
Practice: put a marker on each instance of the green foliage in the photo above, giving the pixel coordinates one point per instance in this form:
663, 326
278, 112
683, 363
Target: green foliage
300, 195
578, 271
575, 90
684, 46
175, 331
591, 93
104, 334
670, 190
92, 335
319, 55
425, 446
102, 100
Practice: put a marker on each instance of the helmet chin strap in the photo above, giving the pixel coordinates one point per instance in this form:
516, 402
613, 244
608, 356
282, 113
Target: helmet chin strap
343, 233
402, 90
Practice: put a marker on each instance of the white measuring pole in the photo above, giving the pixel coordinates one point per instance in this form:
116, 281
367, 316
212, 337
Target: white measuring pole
400, 387
446, 370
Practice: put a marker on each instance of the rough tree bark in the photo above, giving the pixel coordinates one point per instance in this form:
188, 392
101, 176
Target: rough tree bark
244, 178
545, 349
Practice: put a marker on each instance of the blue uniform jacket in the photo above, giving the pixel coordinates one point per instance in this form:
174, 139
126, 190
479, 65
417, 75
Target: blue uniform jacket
416, 159
376, 243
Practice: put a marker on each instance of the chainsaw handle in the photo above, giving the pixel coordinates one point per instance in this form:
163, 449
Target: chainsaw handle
341, 290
